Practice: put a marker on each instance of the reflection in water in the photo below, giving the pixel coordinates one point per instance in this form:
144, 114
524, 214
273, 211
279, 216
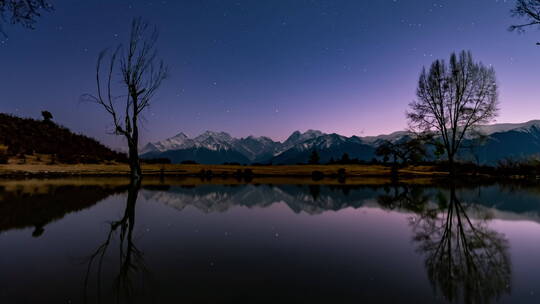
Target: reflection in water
464, 259
131, 260
404, 198
23, 207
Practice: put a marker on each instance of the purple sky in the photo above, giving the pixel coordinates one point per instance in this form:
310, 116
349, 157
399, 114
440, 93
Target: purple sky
267, 67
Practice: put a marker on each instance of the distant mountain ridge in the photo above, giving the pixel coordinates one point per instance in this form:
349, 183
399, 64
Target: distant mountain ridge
507, 140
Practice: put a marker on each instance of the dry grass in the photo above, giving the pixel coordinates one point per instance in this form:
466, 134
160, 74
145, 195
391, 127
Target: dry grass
40, 185
114, 169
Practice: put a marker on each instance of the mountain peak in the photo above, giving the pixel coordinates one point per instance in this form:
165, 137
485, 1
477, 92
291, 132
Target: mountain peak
216, 135
181, 135
313, 132
306, 135
504, 127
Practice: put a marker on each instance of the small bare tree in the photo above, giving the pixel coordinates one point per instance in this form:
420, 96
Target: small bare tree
452, 100
141, 75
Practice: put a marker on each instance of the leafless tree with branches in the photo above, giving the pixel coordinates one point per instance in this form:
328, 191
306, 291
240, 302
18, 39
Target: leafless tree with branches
529, 10
141, 75
453, 99
24, 12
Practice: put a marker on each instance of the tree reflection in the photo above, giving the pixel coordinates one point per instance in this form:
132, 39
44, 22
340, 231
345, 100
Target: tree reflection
131, 260
465, 260
408, 198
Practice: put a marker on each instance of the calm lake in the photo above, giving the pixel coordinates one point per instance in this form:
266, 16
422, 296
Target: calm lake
103, 241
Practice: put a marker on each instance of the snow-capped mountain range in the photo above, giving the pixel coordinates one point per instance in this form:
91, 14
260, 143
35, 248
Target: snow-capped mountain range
504, 140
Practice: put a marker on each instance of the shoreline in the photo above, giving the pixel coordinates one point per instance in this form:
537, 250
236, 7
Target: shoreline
208, 174
210, 171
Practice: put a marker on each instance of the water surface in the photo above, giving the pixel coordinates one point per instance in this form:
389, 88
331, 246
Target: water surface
104, 241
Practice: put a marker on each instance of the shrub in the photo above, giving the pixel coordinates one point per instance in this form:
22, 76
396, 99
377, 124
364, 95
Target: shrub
189, 162
317, 175
157, 160
4, 157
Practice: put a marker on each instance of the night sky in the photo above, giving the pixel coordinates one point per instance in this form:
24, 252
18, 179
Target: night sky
267, 67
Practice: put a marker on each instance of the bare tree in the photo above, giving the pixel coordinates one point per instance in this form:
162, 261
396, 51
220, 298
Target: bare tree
24, 12
141, 75
527, 9
453, 99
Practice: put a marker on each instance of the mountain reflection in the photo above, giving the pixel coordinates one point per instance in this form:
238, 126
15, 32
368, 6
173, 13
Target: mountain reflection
311, 199
316, 199
464, 258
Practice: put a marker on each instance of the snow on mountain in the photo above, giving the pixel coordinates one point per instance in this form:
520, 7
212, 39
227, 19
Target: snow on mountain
389, 137
257, 148
296, 138
214, 141
321, 142
328, 146
209, 140
505, 127
177, 142
504, 142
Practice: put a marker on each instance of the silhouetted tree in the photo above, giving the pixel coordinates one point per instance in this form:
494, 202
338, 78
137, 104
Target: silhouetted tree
24, 12
141, 75
314, 158
439, 149
409, 150
345, 158
405, 198
527, 9
385, 150
315, 191
4, 157
47, 116
453, 99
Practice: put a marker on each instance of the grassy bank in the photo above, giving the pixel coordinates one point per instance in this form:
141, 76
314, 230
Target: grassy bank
207, 171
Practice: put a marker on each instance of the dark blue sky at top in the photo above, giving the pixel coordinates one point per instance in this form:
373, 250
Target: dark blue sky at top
267, 67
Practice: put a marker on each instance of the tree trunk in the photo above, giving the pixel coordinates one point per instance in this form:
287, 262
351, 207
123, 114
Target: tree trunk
134, 163
451, 168
395, 168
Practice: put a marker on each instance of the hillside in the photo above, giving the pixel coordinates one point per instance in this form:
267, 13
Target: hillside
26, 136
